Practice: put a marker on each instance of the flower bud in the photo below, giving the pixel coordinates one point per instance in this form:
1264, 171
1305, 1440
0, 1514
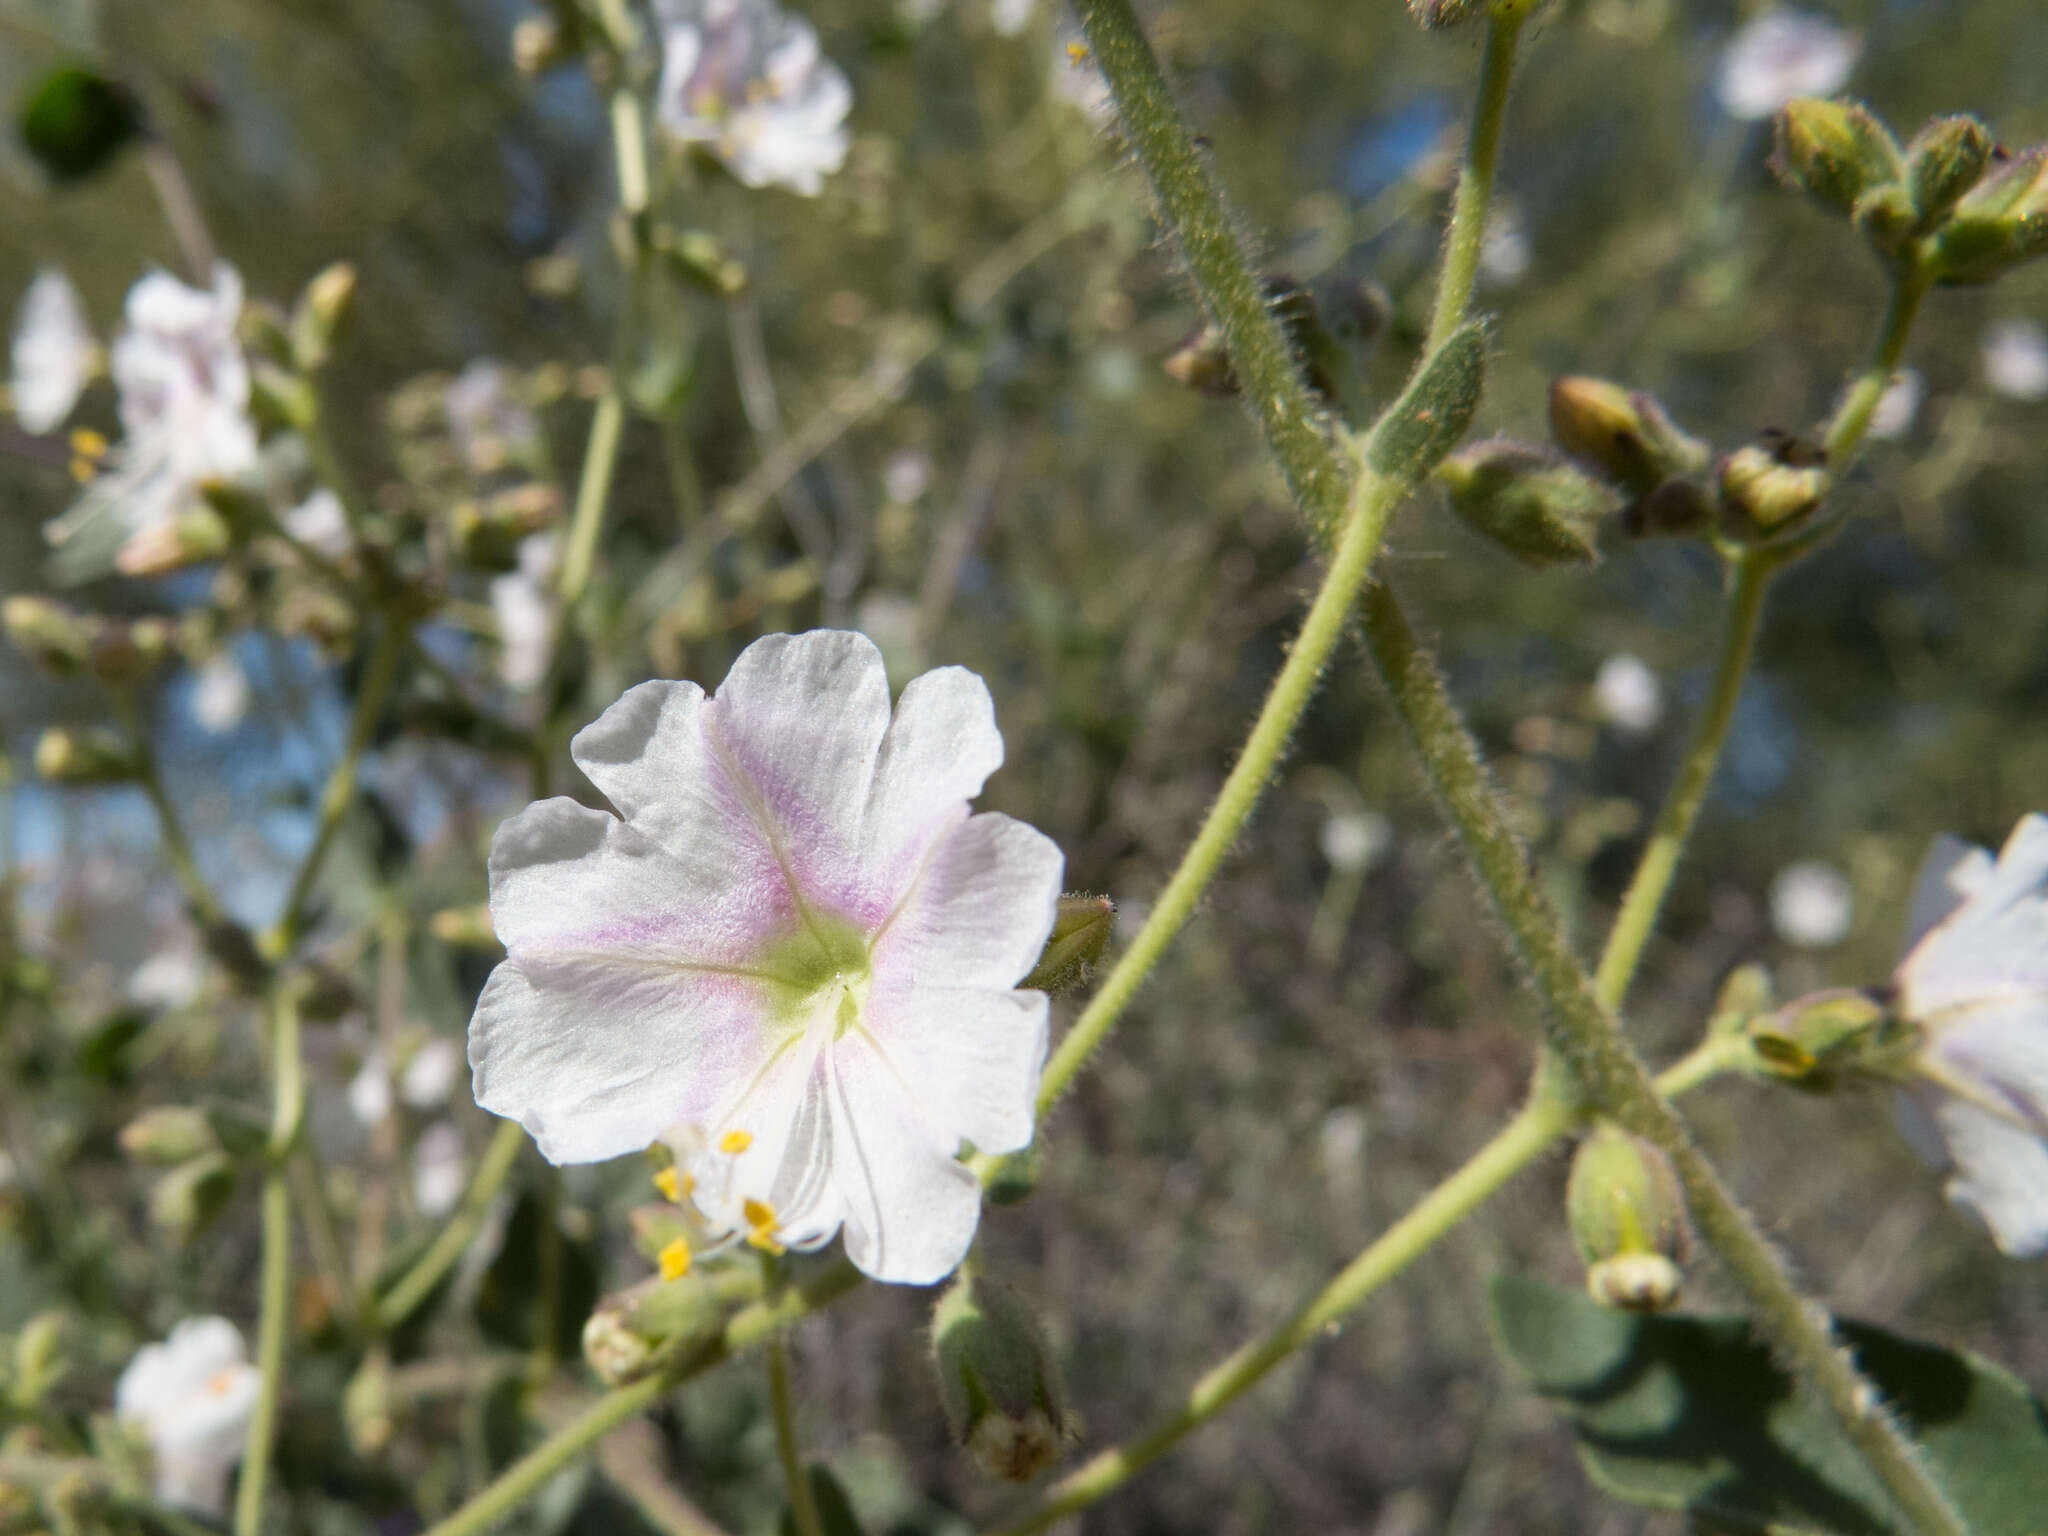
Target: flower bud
1772, 485
65, 756
187, 1200
1425, 424
366, 1405
1627, 1216
1945, 160
1202, 363
1626, 434
1834, 152
610, 1346
1813, 1039
281, 399
1435, 15
168, 1135
1745, 993
123, 652
1081, 929
700, 260
39, 1361
187, 539
317, 317
1004, 1397
2001, 222
488, 533
1537, 507
53, 635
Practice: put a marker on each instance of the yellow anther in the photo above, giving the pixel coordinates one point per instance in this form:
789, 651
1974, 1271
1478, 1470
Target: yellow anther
670, 1183
735, 1142
674, 1258
83, 469
1077, 54
760, 1215
88, 444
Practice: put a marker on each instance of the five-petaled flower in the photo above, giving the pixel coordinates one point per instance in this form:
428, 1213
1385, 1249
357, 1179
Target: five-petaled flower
191, 1397
748, 82
793, 954
1975, 983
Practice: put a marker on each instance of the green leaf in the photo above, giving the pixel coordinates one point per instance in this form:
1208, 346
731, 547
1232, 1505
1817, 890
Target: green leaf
1434, 411
1692, 1413
75, 121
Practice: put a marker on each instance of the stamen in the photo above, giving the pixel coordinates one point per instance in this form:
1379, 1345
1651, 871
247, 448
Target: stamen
88, 444
761, 1226
674, 1258
670, 1183
733, 1143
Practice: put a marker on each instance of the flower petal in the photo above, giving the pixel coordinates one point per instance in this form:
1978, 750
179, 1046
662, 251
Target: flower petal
911, 1209
970, 1057
597, 1058
1951, 871
979, 914
787, 1161
940, 749
1996, 942
2001, 1173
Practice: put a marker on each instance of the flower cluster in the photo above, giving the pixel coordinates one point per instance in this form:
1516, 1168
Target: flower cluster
191, 1397
793, 954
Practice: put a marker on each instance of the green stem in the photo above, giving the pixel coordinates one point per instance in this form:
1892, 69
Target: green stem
1637, 918
289, 1097
1713, 1056
170, 827
1475, 181
418, 1282
1852, 418
1289, 695
803, 1509
749, 1327
340, 790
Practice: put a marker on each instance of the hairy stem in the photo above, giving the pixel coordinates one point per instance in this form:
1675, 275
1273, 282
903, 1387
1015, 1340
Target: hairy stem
1475, 180
803, 1509
1852, 417
418, 1282
287, 1111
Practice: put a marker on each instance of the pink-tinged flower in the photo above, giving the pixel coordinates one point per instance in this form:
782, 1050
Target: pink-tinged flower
1975, 982
191, 1397
53, 353
1783, 55
747, 81
794, 953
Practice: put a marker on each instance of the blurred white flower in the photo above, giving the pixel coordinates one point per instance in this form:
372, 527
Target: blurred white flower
432, 1073
369, 1091
440, 1169
1627, 695
1812, 905
172, 975
183, 387
1899, 405
321, 523
1356, 840
1781, 56
1975, 982
1010, 17
491, 425
907, 474
793, 954
523, 602
54, 352
192, 1397
2015, 356
1504, 251
220, 694
746, 80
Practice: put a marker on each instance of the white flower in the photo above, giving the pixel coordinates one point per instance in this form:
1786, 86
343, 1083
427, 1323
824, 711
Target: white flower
907, 474
321, 523
748, 81
1504, 251
523, 601
1975, 982
1812, 905
192, 1397
793, 953
440, 1169
430, 1076
1010, 17
1356, 840
369, 1091
183, 385
2015, 356
220, 694
1781, 56
54, 352
1897, 407
491, 425
1627, 695
172, 975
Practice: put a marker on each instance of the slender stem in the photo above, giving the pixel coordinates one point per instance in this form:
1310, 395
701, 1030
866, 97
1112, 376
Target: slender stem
418, 1282
170, 826
289, 1097
1637, 918
1713, 1056
593, 491
1852, 418
1513, 1147
547, 1302
180, 207
341, 783
331, 470
803, 1508
749, 1327
1475, 181
1289, 695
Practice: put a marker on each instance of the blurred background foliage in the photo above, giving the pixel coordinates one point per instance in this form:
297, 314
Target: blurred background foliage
981, 303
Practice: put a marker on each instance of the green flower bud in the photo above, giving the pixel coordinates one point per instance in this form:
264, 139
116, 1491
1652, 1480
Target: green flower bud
1771, 486
188, 539
65, 756
56, 637
1003, 1393
168, 1135
1945, 160
281, 399
1834, 152
187, 1200
1537, 507
1746, 993
318, 316
1627, 1216
611, 1348
1438, 14
1081, 930
1626, 434
1434, 411
39, 1360
1813, 1040
635, 1330
2001, 222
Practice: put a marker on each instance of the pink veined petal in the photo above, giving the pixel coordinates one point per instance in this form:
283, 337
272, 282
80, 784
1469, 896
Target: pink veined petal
940, 749
970, 1057
2001, 1047
567, 880
2001, 1173
911, 1208
1997, 941
596, 1058
1952, 870
786, 1113
979, 913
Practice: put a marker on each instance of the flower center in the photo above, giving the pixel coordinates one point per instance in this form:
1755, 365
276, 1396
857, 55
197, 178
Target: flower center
822, 974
